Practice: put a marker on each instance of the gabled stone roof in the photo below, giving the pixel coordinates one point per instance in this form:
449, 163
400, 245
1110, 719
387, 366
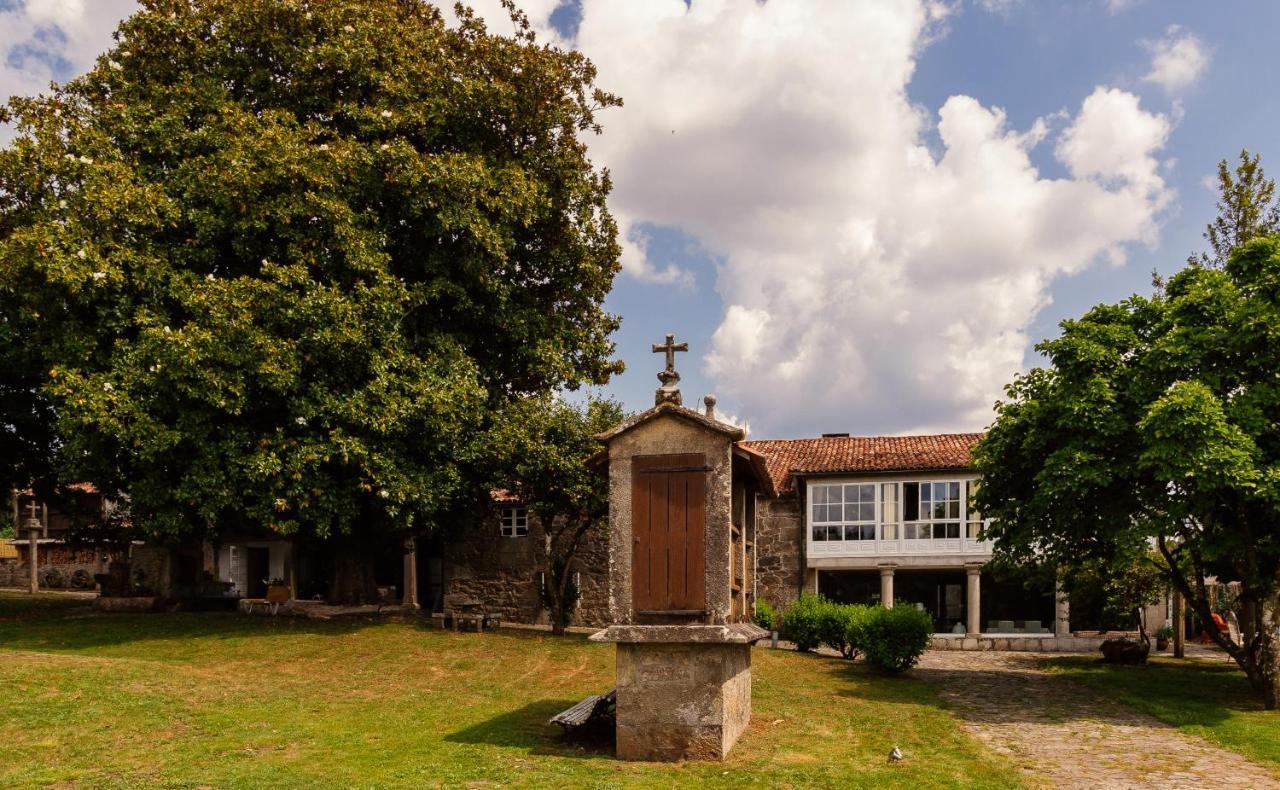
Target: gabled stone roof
788, 458
698, 418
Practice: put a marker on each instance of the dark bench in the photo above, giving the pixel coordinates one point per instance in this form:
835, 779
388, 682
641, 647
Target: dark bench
590, 708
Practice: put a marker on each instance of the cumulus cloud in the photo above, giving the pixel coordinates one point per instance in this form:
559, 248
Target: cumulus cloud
43, 41
1177, 60
870, 284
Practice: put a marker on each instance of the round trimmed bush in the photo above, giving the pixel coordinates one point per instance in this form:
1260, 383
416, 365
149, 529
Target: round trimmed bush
801, 622
894, 639
841, 626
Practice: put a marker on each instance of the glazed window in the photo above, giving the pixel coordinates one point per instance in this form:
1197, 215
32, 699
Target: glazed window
515, 522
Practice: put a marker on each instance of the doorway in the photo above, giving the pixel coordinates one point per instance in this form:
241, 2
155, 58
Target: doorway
257, 570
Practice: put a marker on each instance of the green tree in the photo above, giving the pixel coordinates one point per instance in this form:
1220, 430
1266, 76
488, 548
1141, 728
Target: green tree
283, 259
1154, 427
1247, 208
546, 445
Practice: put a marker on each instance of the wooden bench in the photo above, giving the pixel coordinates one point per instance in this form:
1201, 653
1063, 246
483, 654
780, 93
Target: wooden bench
585, 711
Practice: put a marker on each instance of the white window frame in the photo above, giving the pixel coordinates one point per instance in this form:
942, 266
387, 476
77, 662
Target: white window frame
929, 518
890, 522
843, 528
513, 522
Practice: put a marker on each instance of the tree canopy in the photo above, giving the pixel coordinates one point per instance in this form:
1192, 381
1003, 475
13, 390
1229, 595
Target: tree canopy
280, 262
1247, 208
1154, 426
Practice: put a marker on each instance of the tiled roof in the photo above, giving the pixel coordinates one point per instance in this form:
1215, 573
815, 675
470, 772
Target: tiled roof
502, 496
832, 455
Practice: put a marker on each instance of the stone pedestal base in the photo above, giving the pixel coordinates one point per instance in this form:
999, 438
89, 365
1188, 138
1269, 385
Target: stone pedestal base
684, 692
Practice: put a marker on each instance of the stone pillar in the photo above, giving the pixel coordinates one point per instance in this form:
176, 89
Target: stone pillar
973, 605
684, 692
1061, 613
886, 586
1179, 626
33, 536
410, 599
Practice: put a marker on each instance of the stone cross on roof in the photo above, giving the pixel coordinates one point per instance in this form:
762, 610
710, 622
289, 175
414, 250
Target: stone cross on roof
669, 392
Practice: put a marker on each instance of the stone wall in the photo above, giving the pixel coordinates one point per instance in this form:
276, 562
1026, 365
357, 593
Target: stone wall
779, 550
505, 572
64, 561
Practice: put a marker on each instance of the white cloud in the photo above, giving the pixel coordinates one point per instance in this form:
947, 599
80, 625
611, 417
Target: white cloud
40, 31
1177, 60
869, 284
40, 38
1116, 6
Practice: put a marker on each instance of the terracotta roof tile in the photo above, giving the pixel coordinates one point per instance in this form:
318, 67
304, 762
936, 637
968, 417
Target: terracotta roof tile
788, 457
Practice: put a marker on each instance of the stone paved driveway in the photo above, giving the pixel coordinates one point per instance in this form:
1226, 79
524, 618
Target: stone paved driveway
1064, 735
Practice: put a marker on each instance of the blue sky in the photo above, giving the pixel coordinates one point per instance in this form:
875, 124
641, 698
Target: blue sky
862, 214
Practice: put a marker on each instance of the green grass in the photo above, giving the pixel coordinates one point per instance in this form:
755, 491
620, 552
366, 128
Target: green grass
1211, 699
228, 701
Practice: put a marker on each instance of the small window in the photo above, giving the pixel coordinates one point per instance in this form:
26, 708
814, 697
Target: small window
515, 522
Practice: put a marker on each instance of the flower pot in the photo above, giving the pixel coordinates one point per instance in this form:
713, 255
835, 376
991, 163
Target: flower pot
279, 593
1162, 643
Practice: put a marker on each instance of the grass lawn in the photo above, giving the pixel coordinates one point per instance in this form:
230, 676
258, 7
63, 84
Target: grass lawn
1209, 698
225, 700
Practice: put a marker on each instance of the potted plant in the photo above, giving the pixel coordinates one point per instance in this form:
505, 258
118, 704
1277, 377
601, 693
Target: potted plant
1163, 634
278, 591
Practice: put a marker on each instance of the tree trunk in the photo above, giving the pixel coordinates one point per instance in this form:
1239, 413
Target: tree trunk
557, 608
1269, 655
353, 578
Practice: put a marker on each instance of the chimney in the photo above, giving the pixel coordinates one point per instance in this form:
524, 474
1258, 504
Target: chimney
710, 402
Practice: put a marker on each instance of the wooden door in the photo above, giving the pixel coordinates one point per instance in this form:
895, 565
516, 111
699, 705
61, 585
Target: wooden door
668, 504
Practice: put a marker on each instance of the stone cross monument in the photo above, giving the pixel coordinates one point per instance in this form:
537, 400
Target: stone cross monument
678, 577
669, 392
33, 534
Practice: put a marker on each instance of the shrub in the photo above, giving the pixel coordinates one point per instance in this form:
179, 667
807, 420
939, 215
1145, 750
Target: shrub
841, 626
800, 622
893, 639
766, 618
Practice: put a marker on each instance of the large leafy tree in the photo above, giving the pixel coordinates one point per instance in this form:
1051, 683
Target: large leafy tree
1154, 425
543, 459
277, 261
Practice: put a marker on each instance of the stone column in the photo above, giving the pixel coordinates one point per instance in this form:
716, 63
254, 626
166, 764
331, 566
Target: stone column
1179, 626
1061, 613
886, 586
410, 599
33, 536
973, 602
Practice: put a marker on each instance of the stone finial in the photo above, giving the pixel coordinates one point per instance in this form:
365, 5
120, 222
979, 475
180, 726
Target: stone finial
709, 402
669, 392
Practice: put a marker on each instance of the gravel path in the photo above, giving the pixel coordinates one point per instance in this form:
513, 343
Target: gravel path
1064, 735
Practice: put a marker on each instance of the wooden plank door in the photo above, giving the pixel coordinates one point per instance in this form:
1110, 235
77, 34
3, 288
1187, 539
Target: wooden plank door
668, 504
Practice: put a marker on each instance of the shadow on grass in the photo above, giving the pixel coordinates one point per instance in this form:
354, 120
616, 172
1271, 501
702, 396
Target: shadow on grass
527, 728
